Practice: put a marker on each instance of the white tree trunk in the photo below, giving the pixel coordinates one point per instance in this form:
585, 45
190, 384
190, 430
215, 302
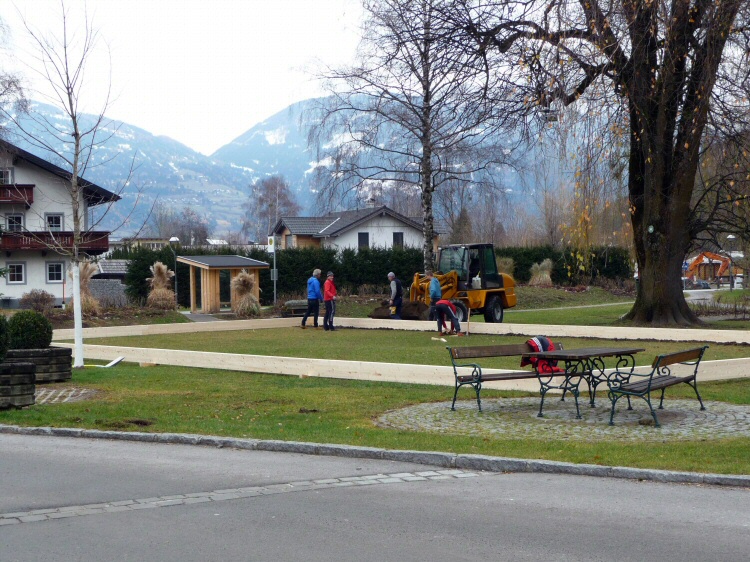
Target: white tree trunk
77, 317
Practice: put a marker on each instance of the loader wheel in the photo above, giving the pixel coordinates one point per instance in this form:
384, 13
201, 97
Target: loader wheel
462, 313
493, 310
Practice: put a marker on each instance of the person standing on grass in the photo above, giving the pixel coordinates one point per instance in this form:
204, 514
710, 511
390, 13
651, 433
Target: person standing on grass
329, 298
314, 296
445, 308
397, 300
436, 293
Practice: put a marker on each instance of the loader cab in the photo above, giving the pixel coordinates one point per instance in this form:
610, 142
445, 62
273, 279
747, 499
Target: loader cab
474, 263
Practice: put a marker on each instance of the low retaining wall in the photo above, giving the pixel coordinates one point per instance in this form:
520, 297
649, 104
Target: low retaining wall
17, 385
53, 364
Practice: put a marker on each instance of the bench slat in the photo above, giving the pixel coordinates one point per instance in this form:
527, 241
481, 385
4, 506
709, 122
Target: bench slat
500, 376
678, 357
489, 351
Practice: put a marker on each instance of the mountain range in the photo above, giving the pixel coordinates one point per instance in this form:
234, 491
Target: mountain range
216, 186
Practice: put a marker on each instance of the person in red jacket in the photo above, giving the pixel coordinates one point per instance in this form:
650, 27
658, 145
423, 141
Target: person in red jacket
445, 308
329, 298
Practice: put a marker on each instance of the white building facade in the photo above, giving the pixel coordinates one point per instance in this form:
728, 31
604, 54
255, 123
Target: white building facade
36, 216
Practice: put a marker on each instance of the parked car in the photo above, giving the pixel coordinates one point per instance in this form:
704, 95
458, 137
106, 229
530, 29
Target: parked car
700, 284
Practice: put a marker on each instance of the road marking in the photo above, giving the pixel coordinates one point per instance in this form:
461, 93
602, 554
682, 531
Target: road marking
48, 514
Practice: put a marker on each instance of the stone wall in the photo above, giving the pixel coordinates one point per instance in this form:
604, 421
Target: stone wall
109, 292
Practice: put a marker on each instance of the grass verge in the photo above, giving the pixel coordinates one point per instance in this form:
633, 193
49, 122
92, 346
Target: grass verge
211, 402
380, 345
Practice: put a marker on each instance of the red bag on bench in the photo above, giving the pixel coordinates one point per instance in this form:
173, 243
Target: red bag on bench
538, 344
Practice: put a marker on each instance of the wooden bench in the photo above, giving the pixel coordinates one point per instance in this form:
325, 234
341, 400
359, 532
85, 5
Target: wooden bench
660, 378
478, 376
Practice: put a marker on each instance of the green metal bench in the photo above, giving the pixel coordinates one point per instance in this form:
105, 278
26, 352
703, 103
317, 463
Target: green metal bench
477, 376
660, 378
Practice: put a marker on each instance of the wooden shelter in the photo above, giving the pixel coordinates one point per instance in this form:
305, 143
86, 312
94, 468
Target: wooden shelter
210, 268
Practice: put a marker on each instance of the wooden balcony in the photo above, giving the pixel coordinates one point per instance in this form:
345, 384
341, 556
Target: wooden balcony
94, 242
17, 193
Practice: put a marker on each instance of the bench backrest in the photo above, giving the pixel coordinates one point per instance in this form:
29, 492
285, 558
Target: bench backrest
489, 350
690, 356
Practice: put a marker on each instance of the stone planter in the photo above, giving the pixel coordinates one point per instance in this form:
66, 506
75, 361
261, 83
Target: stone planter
53, 364
17, 385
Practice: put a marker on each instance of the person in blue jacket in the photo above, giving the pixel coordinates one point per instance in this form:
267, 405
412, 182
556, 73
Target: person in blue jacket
436, 293
314, 296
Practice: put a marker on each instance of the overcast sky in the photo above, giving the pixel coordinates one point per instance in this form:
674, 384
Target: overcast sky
199, 71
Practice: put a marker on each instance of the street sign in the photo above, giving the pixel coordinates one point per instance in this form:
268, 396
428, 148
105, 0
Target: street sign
272, 244
274, 275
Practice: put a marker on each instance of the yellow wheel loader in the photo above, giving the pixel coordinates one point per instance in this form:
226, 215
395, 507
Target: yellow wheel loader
469, 278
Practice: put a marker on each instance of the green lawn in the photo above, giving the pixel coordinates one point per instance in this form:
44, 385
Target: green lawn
378, 345
212, 402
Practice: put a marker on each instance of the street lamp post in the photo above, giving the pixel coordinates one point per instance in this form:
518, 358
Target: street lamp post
175, 240
730, 242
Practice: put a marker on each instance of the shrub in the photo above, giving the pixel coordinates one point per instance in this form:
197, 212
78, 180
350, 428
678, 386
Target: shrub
4, 337
540, 274
160, 296
29, 330
38, 300
246, 304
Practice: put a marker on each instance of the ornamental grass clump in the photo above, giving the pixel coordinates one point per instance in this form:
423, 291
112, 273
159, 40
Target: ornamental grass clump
89, 304
29, 329
541, 274
160, 296
246, 304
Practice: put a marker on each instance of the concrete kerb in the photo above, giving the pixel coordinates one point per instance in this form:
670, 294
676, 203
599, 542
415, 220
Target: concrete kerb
431, 458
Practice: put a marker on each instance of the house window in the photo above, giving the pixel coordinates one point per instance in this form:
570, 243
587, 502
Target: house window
289, 241
55, 271
54, 222
398, 239
16, 273
14, 223
363, 239
6, 176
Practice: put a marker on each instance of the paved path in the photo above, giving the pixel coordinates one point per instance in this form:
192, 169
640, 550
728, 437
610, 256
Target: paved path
91, 500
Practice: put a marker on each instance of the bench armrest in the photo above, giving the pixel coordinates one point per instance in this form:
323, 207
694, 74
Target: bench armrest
476, 372
616, 379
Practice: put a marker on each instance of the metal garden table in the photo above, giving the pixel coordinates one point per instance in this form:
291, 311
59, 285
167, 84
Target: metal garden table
585, 363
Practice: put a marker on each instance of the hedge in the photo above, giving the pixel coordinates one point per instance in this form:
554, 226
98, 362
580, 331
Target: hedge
295, 265
368, 266
607, 262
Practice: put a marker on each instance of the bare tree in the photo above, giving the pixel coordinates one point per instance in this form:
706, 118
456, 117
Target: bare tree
12, 96
61, 66
660, 74
270, 199
413, 110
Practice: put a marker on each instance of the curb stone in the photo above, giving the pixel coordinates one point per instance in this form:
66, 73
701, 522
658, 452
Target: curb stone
433, 458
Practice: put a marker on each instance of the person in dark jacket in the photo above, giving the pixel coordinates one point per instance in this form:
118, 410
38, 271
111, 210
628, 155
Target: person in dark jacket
397, 300
314, 296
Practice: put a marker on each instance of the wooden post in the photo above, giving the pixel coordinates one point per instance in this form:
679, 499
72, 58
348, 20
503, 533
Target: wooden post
193, 295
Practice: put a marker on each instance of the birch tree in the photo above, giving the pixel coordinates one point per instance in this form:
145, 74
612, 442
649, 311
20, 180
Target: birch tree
60, 66
412, 110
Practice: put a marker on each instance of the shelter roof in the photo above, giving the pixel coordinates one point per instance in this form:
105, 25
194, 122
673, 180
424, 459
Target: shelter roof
222, 262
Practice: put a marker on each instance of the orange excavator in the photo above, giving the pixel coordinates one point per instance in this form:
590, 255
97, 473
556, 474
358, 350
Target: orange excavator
706, 258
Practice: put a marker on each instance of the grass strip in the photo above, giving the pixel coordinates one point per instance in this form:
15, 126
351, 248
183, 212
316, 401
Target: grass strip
225, 403
383, 345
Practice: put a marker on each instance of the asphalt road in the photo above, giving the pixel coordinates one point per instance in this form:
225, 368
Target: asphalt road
65, 499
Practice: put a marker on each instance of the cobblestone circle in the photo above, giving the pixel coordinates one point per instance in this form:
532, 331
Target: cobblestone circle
516, 418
